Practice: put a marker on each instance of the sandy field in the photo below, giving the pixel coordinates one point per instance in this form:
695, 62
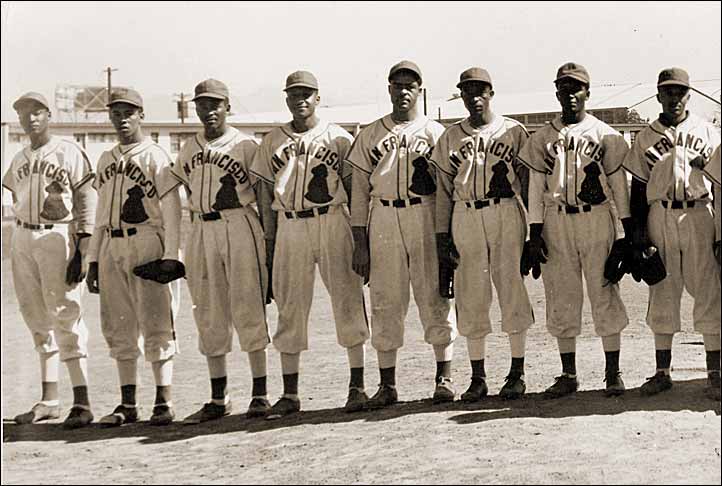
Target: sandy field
672, 438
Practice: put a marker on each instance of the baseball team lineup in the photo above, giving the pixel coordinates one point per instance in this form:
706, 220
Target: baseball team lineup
407, 204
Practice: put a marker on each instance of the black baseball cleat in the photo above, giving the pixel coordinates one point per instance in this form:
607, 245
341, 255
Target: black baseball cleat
163, 414
563, 385
79, 416
385, 396
614, 384
712, 391
284, 406
210, 411
476, 391
655, 384
356, 401
514, 387
259, 407
121, 415
444, 391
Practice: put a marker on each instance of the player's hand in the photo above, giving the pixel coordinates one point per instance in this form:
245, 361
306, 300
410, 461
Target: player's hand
446, 251
92, 278
535, 252
75, 272
718, 251
361, 261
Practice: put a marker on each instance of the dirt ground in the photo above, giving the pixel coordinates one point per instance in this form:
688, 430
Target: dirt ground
673, 438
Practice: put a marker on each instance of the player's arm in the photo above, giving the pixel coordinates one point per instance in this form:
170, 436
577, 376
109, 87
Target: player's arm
170, 207
264, 196
360, 198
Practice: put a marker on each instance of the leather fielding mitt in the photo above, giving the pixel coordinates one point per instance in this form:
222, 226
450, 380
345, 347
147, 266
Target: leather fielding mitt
161, 271
619, 261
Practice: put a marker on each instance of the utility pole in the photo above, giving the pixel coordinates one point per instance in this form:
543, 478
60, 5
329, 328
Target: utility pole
109, 70
182, 106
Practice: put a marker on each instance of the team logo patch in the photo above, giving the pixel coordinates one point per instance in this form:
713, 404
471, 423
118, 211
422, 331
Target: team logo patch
227, 196
54, 207
133, 211
422, 183
592, 192
499, 185
318, 186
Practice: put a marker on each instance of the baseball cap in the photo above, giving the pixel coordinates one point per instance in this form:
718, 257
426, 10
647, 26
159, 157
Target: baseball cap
673, 76
405, 66
125, 95
211, 88
301, 79
31, 96
574, 71
474, 74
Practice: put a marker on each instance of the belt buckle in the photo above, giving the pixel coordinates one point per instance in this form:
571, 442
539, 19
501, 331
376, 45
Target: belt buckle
398, 203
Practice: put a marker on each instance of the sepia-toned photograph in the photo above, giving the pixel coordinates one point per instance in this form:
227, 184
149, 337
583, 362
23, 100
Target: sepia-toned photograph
361, 242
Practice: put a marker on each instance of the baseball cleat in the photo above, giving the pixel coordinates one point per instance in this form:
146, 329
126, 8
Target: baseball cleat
258, 407
385, 396
713, 386
356, 401
121, 415
210, 411
444, 391
563, 385
615, 385
79, 416
163, 414
514, 387
655, 384
284, 406
39, 412
476, 391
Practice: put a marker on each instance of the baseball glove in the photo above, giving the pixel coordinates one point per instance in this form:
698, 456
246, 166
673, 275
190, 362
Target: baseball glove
161, 271
650, 267
619, 261
535, 252
448, 257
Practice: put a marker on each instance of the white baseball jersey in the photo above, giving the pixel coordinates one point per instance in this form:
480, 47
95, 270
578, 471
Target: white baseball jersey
394, 157
662, 157
478, 163
43, 182
306, 169
673, 161
712, 169
581, 164
216, 173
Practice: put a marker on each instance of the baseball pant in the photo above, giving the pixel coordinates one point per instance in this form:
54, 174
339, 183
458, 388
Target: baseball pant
580, 243
403, 250
684, 238
490, 241
51, 309
227, 279
135, 314
300, 244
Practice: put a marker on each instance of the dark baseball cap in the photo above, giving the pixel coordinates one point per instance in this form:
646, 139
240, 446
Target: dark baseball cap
299, 79
474, 74
673, 76
574, 71
405, 66
211, 88
125, 95
31, 96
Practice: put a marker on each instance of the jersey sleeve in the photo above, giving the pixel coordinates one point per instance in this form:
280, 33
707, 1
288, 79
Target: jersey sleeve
344, 140
164, 180
712, 169
80, 170
358, 156
9, 177
440, 156
532, 154
635, 162
615, 150
261, 166
177, 169
249, 147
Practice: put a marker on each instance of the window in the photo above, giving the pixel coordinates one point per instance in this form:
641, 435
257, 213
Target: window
101, 137
80, 139
154, 136
177, 140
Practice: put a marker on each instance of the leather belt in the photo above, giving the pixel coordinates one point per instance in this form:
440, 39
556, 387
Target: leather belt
483, 203
120, 233
585, 208
401, 203
307, 213
213, 216
678, 204
31, 226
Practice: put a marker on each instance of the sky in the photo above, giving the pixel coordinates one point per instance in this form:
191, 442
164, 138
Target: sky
165, 48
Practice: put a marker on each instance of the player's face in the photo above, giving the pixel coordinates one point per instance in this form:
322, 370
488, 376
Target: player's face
572, 95
477, 97
673, 99
212, 112
404, 89
126, 119
302, 101
33, 117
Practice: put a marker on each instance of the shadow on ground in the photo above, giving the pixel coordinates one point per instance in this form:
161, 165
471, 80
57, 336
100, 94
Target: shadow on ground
686, 395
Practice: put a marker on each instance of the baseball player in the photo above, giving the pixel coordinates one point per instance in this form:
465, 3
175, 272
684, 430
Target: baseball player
575, 164
137, 221
301, 166
54, 208
225, 253
390, 158
673, 211
478, 202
